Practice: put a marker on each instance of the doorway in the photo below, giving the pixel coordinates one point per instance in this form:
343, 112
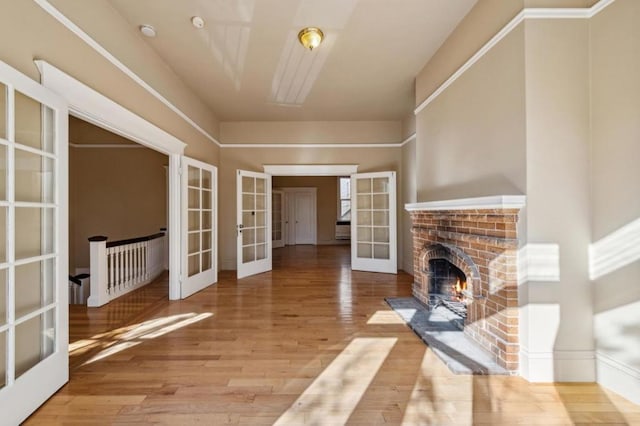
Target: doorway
117, 189
93, 107
301, 218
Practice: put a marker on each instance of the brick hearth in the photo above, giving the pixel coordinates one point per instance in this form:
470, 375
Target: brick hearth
483, 244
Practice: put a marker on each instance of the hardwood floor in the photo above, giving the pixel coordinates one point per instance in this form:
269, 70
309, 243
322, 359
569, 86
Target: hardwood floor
310, 342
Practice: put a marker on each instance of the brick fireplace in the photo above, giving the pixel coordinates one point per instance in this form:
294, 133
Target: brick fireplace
478, 238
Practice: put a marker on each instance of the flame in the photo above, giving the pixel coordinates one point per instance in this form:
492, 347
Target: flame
458, 288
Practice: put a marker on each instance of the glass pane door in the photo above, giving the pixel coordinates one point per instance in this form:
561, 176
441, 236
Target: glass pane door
199, 194
254, 223
373, 222
277, 224
33, 245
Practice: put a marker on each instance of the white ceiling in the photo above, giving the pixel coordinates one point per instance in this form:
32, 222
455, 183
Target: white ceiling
247, 65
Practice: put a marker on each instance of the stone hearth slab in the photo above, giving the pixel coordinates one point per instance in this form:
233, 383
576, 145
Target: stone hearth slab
459, 352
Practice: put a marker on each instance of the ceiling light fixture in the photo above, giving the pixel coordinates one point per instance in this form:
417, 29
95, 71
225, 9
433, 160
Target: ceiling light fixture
197, 22
310, 37
148, 30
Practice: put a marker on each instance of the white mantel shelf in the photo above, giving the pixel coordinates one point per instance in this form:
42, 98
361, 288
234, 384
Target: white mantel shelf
490, 202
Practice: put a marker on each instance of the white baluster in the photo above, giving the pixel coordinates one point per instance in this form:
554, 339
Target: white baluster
110, 270
142, 267
146, 260
128, 266
136, 278
98, 265
118, 270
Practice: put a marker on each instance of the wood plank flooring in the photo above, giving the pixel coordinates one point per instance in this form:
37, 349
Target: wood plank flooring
297, 345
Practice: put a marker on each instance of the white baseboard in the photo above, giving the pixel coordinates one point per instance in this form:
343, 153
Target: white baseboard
558, 366
619, 377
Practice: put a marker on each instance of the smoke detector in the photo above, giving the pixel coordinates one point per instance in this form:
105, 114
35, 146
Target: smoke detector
148, 30
197, 22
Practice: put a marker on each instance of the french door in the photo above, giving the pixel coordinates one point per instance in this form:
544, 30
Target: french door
254, 223
33, 245
199, 226
373, 222
277, 222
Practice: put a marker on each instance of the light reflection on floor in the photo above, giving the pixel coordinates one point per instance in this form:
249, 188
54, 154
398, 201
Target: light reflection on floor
334, 394
117, 340
385, 317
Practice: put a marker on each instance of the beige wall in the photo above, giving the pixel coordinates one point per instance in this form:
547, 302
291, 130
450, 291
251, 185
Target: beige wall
471, 139
483, 22
83, 132
116, 192
408, 126
326, 201
35, 34
252, 159
556, 317
311, 132
615, 176
408, 194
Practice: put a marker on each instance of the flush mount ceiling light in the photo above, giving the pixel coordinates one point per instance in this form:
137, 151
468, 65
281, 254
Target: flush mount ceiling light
148, 30
310, 37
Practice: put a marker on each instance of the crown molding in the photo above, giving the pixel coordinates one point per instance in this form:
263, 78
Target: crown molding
71, 26
319, 145
310, 145
527, 13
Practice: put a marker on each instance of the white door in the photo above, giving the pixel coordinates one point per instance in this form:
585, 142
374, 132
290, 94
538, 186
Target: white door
373, 222
290, 218
277, 223
254, 223
199, 219
305, 214
34, 354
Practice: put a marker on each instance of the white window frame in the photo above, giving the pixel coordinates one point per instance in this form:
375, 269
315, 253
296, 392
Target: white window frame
340, 199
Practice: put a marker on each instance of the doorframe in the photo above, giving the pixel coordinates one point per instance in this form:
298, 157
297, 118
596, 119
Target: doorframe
95, 108
310, 169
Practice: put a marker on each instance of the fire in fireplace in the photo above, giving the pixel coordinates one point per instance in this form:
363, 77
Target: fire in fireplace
447, 286
446, 280
457, 290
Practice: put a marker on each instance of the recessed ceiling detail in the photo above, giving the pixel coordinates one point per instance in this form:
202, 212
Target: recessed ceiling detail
299, 69
246, 63
227, 39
